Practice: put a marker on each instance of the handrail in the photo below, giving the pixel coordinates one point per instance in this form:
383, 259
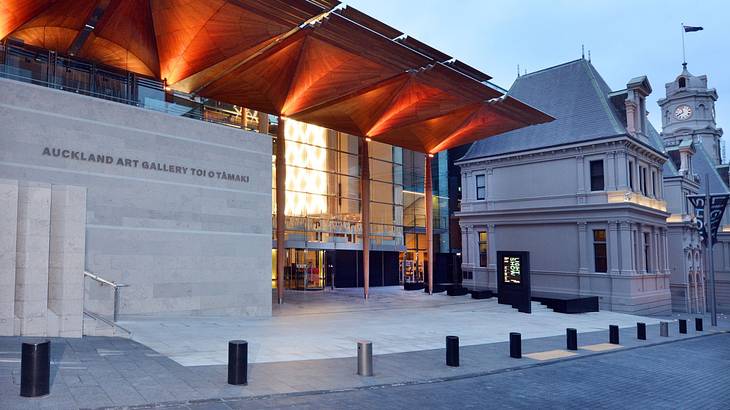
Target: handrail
104, 281
114, 285
107, 321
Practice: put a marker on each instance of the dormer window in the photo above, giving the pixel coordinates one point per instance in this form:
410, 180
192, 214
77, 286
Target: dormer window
682, 82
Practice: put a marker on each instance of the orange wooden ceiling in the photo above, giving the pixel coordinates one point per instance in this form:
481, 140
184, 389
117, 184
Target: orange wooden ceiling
339, 69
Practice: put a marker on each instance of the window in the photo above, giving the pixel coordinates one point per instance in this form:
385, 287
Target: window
642, 180
653, 184
600, 255
647, 251
483, 249
682, 82
631, 175
596, 175
467, 275
481, 187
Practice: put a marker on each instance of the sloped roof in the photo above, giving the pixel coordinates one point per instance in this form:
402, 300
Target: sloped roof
702, 165
577, 96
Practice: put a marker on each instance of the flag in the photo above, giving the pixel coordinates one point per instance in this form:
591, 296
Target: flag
689, 29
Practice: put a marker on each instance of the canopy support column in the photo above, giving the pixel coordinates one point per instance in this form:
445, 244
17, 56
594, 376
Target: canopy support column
280, 208
365, 213
428, 198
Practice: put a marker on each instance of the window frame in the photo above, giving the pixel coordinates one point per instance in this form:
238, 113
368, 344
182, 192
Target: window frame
480, 188
597, 244
594, 178
483, 255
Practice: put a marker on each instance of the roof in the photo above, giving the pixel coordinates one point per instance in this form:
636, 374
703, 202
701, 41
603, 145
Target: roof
310, 60
579, 99
702, 165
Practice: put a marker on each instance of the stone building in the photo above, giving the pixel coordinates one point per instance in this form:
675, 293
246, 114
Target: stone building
583, 194
692, 140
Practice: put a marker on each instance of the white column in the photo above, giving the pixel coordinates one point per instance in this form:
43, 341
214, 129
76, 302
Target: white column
31, 270
610, 171
641, 268
627, 256
67, 260
8, 234
579, 169
492, 258
613, 247
582, 248
622, 166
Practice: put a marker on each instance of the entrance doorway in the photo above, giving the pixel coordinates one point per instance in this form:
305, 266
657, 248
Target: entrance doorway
305, 269
414, 260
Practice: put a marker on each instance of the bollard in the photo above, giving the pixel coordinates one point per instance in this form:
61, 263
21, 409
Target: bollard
364, 358
663, 329
613, 334
35, 369
572, 338
683, 326
238, 362
641, 331
698, 324
515, 345
452, 351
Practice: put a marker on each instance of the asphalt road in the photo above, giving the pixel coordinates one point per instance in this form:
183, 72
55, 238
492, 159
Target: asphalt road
690, 374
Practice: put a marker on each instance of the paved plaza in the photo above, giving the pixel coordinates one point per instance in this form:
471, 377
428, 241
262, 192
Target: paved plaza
328, 324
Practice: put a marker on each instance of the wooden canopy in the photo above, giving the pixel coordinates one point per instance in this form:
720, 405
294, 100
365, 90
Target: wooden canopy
307, 60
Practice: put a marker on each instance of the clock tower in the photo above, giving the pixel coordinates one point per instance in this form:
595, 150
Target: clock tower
688, 112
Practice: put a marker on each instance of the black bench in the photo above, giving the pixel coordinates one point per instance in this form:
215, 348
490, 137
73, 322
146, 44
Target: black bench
481, 294
566, 303
457, 291
413, 285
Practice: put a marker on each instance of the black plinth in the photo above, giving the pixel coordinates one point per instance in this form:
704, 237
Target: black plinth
452, 351
571, 336
515, 345
641, 331
35, 369
238, 362
481, 294
457, 291
413, 285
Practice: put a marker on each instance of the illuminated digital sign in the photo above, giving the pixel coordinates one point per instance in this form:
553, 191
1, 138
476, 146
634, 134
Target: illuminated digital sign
512, 269
513, 285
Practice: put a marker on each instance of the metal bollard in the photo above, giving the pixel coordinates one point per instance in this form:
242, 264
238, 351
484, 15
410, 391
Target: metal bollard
515, 345
698, 324
572, 338
452, 351
364, 358
613, 334
641, 331
238, 362
35, 369
664, 329
683, 326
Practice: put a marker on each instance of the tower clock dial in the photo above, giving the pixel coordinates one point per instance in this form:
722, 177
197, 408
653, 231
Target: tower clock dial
683, 112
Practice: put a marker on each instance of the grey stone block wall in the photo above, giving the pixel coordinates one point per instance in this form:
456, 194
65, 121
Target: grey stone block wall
31, 269
185, 243
8, 233
66, 260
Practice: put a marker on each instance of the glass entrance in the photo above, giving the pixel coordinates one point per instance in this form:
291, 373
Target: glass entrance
305, 269
413, 261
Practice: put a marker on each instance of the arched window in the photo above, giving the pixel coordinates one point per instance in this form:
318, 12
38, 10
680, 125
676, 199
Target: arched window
702, 110
682, 82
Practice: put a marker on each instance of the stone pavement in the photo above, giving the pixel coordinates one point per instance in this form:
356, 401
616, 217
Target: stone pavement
328, 324
102, 372
688, 374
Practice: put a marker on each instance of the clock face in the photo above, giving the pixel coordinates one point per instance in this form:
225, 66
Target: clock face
683, 112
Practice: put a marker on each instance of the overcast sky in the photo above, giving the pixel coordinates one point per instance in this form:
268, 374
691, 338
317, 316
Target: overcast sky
626, 38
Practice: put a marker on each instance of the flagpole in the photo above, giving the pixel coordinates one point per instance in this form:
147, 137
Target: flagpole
684, 55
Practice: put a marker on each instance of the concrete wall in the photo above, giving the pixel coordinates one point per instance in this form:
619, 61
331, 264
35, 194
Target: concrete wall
8, 235
183, 241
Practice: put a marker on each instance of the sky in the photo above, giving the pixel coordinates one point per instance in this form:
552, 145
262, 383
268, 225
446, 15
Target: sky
626, 38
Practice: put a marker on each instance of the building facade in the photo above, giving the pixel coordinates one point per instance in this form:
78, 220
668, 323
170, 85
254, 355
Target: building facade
583, 194
692, 139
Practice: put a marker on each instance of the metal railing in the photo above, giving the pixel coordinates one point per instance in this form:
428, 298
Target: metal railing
115, 286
